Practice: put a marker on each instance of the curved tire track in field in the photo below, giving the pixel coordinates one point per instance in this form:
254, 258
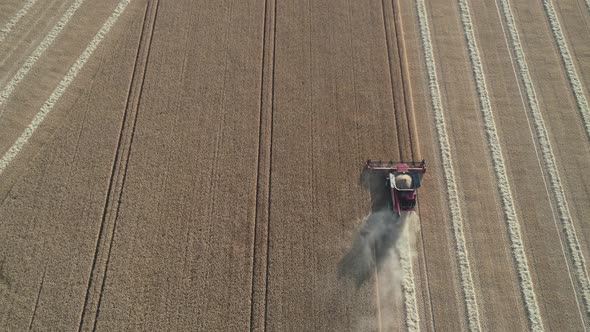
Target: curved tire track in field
14, 20
38, 52
549, 159
570, 68
462, 256
514, 232
61, 88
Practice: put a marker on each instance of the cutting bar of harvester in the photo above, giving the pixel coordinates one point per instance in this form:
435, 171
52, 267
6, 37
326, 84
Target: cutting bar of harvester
397, 166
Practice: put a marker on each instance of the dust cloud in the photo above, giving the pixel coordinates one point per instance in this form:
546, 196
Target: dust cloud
373, 244
379, 243
378, 238
380, 251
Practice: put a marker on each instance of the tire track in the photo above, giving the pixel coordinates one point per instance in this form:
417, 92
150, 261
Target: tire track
58, 92
548, 159
14, 20
462, 256
432, 325
260, 258
38, 52
514, 232
397, 103
100, 263
405, 81
404, 139
570, 68
39, 291
378, 299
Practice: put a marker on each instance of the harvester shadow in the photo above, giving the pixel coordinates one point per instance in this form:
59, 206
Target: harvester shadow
377, 236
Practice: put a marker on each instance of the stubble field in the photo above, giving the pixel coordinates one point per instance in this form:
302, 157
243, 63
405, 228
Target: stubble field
196, 165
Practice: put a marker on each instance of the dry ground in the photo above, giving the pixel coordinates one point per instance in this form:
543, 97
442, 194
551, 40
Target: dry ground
194, 165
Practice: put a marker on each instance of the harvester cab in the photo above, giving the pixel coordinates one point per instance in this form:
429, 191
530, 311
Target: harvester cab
403, 179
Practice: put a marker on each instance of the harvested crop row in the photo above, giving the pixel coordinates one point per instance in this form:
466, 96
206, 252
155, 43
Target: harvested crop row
570, 68
462, 256
408, 283
38, 52
517, 245
548, 157
14, 20
61, 88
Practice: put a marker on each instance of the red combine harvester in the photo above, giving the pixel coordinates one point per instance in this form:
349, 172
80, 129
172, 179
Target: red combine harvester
402, 179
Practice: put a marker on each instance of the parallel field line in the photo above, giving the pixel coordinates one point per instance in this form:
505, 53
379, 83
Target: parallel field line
14, 20
549, 158
503, 184
62, 87
462, 256
408, 283
411, 305
38, 52
570, 68
28, 39
538, 157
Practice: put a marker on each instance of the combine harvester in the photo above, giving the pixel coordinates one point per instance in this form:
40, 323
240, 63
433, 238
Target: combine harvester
402, 179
